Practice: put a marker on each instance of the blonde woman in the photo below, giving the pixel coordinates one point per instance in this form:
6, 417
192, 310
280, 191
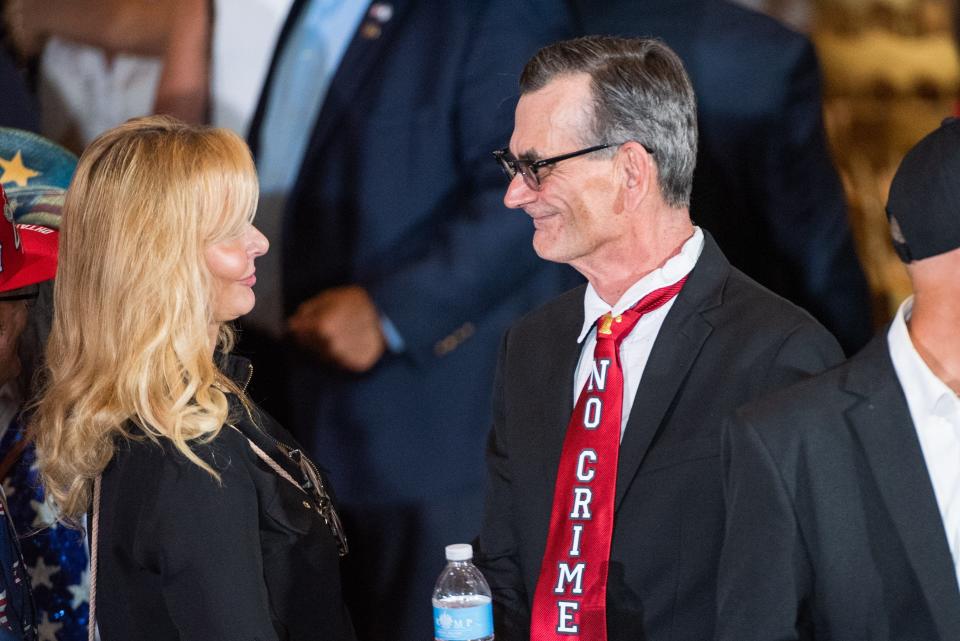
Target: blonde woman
209, 523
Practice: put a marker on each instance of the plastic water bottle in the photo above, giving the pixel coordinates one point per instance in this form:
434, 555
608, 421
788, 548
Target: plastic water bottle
462, 609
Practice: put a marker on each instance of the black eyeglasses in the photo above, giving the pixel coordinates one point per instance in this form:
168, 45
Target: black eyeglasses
530, 169
313, 484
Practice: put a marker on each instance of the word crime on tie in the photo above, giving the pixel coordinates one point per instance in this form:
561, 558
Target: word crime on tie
570, 599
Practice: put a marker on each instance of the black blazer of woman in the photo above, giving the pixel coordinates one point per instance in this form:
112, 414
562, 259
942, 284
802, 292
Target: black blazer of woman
183, 557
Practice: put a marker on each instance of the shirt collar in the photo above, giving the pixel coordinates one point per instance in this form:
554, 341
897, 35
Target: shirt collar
669, 273
926, 393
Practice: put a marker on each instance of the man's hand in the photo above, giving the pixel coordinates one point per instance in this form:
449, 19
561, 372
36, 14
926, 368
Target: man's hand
343, 326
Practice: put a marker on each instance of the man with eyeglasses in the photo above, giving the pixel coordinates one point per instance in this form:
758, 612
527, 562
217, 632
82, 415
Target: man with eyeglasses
765, 186
606, 523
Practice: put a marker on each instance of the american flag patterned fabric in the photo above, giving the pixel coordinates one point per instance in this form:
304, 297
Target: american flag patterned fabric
18, 615
55, 557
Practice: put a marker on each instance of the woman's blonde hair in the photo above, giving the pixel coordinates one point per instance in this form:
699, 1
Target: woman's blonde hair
130, 341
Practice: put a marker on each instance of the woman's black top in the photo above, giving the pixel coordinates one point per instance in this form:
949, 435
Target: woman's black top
183, 557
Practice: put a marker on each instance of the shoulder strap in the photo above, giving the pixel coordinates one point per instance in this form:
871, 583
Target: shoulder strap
266, 458
313, 484
268, 445
94, 524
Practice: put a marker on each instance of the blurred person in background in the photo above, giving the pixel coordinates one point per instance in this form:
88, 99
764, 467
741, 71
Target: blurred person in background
216, 59
35, 174
208, 522
394, 268
955, 32
183, 87
765, 186
213, 56
100, 61
27, 256
18, 108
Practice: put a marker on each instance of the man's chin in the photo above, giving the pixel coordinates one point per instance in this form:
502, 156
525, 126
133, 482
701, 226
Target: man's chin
547, 250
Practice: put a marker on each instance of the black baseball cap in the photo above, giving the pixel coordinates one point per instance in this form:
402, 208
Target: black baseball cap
924, 203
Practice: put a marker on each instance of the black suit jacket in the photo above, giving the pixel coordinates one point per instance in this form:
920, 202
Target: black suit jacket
765, 185
725, 341
833, 528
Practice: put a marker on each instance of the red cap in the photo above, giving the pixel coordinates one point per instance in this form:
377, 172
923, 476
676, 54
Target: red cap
28, 253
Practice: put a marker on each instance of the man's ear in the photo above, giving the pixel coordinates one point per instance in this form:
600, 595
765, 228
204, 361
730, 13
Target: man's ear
638, 173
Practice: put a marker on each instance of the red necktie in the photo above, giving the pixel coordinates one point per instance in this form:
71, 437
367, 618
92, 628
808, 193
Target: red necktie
570, 601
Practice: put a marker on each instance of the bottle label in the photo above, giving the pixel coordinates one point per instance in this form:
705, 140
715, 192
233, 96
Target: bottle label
463, 624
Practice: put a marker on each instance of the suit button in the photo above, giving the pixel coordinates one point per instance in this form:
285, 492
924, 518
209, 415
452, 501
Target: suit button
306, 504
452, 342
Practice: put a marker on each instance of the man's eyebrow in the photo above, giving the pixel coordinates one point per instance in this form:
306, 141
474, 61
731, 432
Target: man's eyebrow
530, 154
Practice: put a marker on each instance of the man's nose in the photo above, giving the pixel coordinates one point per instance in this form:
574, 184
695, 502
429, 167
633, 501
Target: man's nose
518, 193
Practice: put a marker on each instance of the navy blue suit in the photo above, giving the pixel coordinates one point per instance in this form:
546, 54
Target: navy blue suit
765, 186
399, 193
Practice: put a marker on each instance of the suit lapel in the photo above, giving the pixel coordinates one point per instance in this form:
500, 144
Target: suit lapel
674, 352
558, 365
881, 420
364, 50
368, 45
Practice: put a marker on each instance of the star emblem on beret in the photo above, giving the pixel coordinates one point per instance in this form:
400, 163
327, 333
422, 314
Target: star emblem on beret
15, 171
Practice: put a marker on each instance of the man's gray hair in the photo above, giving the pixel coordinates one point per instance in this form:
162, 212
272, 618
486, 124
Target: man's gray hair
640, 92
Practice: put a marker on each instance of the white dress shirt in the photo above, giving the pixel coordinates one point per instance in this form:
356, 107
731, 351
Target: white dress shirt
935, 410
635, 348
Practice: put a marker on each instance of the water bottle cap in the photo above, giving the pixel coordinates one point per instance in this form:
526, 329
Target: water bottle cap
459, 552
